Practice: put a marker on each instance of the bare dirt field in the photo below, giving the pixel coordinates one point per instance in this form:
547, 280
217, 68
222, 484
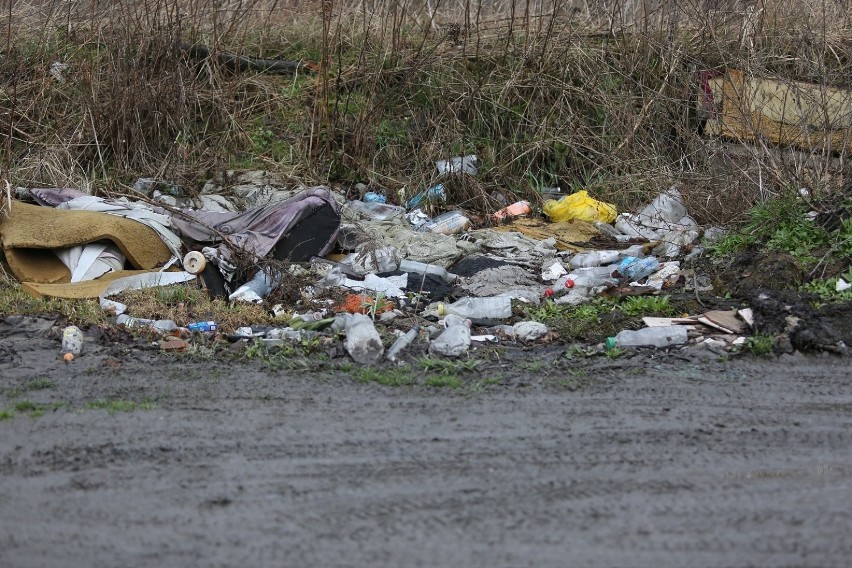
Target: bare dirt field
128, 457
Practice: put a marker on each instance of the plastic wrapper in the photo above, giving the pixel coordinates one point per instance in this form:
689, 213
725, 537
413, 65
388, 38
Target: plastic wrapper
579, 206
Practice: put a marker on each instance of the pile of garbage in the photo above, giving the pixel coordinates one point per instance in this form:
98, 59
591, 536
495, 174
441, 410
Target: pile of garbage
454, 285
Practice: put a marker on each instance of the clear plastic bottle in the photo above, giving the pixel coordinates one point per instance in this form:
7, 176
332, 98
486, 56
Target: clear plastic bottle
450, 223
363, 342
603, 257
128, 321
594, 258
634, 268
650, 337
402, 342
492, 307
376, 211
162, 326
435, 193
590, 277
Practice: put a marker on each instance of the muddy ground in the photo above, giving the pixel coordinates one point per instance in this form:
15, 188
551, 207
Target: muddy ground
132, 457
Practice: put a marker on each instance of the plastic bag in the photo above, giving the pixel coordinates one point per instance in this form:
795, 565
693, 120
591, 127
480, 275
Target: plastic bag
579, 206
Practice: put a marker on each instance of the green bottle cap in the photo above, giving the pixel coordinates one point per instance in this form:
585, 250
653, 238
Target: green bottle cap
610, 343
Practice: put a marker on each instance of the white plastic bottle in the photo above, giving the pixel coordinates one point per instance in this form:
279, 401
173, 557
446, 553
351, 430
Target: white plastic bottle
492, 307
363, 342
450, 223
454, 341
650, 337
594, 258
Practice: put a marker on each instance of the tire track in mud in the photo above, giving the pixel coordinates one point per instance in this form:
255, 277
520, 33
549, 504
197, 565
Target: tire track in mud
666, 466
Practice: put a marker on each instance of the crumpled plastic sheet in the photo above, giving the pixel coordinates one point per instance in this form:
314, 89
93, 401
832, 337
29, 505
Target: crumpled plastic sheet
499, 280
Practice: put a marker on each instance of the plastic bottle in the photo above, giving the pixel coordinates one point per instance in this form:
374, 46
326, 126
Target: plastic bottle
517, 209
450, 223
423, 268
604, 257
128, 321
650, 337
163, 326
260, 286
402, 342
376, 211
493, 307
594, 258
634, 268
363, 342
435, 193
454, 341
72, 342
590, 277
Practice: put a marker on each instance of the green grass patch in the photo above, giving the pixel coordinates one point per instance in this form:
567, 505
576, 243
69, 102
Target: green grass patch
7, 414
392, 377
443, 381
448, 366
760, 344
118, 405
647, 306
39, 383
826, 289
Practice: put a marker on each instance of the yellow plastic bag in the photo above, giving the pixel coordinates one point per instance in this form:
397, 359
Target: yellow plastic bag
579, 206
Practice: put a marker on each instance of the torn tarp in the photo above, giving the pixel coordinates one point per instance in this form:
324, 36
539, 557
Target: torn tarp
296, 229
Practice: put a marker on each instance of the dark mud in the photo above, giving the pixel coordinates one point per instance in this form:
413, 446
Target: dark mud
129, 457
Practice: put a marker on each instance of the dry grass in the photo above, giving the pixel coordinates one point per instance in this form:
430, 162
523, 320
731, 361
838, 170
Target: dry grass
599, 95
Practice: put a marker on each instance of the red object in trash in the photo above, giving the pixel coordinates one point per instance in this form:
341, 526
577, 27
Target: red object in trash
514, 210
361, 304
569, 283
